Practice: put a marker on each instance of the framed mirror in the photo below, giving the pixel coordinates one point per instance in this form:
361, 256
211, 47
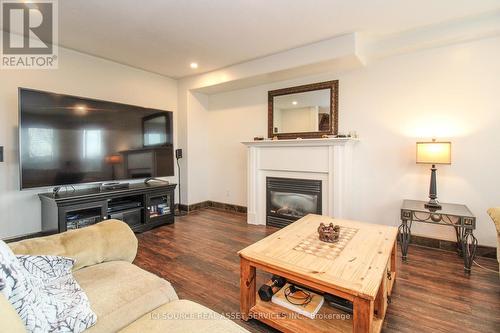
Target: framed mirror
308, 111
156, 129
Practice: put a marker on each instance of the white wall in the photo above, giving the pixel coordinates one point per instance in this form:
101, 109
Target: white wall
80, 75
448, 92
197, 150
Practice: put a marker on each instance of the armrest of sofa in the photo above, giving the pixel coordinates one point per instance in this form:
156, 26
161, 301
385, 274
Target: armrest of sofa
495, 216
110, 240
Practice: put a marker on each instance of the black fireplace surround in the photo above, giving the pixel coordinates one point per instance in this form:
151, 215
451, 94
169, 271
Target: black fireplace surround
289, 199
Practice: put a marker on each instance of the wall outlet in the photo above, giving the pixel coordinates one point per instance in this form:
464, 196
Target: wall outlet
228, 194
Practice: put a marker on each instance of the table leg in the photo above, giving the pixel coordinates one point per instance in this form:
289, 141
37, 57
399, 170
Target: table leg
380, 304
469, 245
460, 238
393, 269
247, 288
362, 315
404, 237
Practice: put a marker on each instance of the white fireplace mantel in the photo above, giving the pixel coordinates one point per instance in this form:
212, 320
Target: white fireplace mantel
328, 160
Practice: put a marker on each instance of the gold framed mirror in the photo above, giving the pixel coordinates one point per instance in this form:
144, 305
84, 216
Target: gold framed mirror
307, 111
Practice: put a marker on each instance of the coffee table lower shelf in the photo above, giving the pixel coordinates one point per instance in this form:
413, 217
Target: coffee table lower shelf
328, 319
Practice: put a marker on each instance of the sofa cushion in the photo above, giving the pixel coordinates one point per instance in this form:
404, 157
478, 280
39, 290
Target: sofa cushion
46, 267
111, 240
120, 292
183, 316
21, 291
63, 303
49, 303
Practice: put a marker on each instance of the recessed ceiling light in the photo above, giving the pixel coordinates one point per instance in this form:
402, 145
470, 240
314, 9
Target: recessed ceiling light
194, 65
294, 102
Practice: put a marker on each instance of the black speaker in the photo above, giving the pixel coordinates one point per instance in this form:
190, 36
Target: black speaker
178, 153
178, 156
1, 153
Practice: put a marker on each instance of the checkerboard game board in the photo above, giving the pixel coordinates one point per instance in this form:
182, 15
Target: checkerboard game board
312, 244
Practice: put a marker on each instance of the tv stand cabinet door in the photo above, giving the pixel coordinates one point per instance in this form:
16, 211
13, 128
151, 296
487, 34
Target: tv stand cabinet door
97, 207
155, 198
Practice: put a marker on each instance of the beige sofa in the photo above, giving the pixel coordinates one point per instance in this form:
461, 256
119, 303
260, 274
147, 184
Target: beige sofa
124, 297
495, 216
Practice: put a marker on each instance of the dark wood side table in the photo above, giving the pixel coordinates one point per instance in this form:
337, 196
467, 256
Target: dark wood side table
457, 216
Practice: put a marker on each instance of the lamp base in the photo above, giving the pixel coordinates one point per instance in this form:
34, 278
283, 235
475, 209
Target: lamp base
433, 204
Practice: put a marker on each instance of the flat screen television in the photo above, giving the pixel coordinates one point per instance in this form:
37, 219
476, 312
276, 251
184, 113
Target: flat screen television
68, 140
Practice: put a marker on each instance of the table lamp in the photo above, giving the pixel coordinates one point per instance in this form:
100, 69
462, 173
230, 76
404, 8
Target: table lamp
113, 160
433, 153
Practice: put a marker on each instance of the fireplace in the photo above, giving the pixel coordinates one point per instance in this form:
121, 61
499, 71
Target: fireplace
289, 199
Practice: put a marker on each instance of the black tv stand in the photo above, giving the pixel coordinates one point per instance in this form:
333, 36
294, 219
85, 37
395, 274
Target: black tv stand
142, 206
113, 186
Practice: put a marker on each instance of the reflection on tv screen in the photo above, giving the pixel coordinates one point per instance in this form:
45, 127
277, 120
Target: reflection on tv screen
72, 140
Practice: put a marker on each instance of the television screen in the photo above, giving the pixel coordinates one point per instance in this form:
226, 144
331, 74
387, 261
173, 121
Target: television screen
66, 140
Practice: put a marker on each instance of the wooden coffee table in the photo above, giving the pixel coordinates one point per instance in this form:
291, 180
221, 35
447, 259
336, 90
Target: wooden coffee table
360, 268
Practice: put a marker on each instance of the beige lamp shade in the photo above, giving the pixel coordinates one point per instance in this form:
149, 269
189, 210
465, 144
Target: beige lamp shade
434, 152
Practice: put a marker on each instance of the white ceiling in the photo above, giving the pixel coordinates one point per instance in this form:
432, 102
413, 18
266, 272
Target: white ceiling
165, 36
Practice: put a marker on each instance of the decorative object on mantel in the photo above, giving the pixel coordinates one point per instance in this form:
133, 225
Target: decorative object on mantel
433, 153
307, 111
258, 138
275, 137
329, 234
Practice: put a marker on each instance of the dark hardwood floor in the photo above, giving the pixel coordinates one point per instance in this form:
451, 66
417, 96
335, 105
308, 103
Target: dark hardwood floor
198, 255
